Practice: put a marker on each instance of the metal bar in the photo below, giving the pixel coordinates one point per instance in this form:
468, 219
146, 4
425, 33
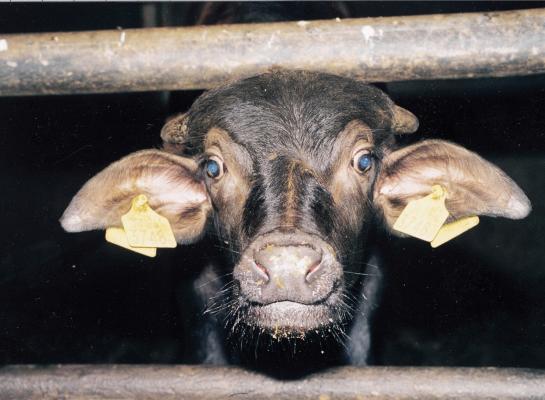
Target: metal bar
490, 44
201, 382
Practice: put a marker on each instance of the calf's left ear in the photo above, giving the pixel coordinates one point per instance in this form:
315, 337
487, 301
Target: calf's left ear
169, 182
474, 186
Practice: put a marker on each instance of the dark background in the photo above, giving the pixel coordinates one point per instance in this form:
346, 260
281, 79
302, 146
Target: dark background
476, 301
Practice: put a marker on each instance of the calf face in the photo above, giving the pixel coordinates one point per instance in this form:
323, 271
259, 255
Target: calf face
291, 169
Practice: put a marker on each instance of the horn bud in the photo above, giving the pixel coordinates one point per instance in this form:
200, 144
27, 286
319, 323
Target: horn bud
175, 129
403, 121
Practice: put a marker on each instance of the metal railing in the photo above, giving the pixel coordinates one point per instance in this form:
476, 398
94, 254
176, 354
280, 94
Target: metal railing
491, 44
201, 382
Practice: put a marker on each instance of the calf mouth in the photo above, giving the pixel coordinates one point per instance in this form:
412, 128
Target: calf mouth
291, 319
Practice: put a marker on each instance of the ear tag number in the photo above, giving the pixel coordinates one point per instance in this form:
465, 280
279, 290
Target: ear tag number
145, 228
453, 229
118, 237
424, 217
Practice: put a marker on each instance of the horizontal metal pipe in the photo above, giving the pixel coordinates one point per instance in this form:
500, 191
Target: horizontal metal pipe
386, 49
202, 382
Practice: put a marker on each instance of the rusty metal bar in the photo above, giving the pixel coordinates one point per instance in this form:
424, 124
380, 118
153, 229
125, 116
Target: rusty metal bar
386, 49
200, 382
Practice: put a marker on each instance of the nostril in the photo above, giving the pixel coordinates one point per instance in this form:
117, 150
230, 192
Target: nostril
313, 271
262, 271
287, 264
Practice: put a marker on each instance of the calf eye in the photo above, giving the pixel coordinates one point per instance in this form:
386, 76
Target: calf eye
214, 167
362, 161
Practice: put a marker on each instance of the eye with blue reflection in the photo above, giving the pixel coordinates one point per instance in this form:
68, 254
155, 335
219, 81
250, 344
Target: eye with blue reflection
214, 167
362, 161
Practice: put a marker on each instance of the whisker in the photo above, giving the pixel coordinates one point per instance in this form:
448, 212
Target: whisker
214, 280
372, 265
227, 248
359, 273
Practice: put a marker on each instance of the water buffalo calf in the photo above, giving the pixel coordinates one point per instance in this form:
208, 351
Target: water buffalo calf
290, 172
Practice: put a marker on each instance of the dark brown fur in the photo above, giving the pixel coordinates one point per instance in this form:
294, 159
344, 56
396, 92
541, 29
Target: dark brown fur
288, 143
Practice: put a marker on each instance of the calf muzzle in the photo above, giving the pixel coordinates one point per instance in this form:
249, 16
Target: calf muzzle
297, 267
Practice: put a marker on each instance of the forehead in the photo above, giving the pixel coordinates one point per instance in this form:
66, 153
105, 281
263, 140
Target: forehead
300, 110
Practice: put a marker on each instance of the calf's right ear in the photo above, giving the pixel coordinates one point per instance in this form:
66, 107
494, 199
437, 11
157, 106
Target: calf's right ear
170, 183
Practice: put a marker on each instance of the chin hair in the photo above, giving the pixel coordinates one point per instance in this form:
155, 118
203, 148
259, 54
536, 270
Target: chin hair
291, 320
282, 320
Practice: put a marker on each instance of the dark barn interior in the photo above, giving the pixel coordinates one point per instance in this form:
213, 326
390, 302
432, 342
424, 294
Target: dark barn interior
73, 298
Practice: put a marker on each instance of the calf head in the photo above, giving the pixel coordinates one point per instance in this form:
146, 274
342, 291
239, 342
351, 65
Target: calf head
291, 169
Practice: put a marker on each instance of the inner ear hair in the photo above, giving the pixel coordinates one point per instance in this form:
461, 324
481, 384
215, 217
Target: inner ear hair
474, 186
169, 182
175, 130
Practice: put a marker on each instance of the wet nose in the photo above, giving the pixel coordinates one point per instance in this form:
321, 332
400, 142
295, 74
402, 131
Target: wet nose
290, 269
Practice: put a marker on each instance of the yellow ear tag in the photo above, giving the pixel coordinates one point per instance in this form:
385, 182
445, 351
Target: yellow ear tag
453, 229
145, 228
118, 237
424, 217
